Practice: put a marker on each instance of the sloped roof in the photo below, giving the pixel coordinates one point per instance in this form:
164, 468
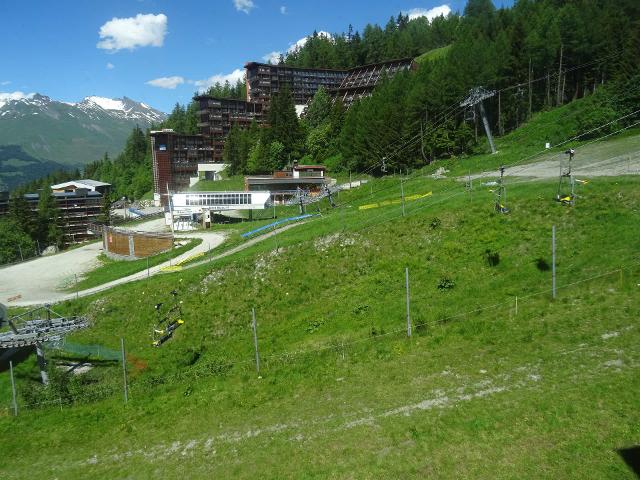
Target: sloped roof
84, 183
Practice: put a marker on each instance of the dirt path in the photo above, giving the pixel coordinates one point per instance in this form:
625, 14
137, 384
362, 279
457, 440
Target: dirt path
607, 159
39, 281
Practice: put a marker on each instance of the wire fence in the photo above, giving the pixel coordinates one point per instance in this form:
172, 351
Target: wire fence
78, 390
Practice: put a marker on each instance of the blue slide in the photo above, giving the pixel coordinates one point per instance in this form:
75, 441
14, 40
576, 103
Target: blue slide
279, 222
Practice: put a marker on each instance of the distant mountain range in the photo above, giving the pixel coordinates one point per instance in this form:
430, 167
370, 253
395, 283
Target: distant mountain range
39, 135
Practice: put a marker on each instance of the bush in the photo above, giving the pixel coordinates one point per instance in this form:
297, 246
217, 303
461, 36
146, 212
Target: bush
446, 283
492, 258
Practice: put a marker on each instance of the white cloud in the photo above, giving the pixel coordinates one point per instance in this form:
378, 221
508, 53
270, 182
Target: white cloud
233, 77
244, 5
130, 33
110, 66
166, 82
6, 82
430, 13
300, 43
283, 10
272, 57
7, 96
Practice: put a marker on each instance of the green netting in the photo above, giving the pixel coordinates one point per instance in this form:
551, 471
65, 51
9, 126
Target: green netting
95, 351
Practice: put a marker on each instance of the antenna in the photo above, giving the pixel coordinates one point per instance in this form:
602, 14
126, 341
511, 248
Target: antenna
476, 96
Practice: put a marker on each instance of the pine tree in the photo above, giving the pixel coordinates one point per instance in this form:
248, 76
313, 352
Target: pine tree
49, 230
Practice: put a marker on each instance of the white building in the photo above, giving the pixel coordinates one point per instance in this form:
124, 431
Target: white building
190, 207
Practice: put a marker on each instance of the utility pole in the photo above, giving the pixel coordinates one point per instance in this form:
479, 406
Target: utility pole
42, 364
170, 208
558, 99
500, 194
476, 97
254, 326
548, 90
530, 93
13, 390
553, 262
402, 194
406, 283
124, 372
500, 124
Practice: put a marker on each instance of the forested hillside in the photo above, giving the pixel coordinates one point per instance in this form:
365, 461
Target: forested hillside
535, 56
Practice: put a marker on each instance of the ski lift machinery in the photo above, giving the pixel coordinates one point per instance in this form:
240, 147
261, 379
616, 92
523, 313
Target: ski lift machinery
500, 194
172, 318
566, 194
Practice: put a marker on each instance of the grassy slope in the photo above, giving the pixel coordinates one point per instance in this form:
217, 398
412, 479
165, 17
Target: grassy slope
494, 395
235, 183
433, 54
113, 269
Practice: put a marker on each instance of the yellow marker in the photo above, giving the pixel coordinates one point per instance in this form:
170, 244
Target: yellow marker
385, 203
174, 268
188, 259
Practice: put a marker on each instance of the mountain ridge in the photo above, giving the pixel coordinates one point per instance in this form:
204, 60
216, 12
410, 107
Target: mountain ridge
61, 134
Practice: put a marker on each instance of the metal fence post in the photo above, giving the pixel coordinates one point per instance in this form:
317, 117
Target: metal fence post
553, 261
406, 282
255, 338
13, 390
402, 195
124, 372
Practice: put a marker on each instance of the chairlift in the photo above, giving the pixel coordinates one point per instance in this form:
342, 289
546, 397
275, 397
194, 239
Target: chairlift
500, 194
173, 319
567, 181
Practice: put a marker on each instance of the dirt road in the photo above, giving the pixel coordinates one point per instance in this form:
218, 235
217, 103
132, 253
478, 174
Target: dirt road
613, 158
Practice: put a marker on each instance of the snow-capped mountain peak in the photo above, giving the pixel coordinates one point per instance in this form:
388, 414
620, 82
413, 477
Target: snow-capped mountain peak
106, 103
71, 133
19, 104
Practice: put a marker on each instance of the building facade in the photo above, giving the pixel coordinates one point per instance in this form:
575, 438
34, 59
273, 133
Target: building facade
178, 159
361, 81
175, 161
77, 209
265, 80
217, 115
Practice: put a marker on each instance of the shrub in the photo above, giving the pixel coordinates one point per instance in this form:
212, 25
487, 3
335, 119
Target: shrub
446, 283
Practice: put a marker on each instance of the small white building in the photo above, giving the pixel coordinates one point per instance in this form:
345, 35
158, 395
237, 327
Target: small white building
189, 208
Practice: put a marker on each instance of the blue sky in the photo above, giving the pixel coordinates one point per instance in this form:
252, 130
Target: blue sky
56, 47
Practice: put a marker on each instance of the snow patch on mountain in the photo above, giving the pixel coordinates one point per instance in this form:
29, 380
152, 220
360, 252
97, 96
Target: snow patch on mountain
106, 103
